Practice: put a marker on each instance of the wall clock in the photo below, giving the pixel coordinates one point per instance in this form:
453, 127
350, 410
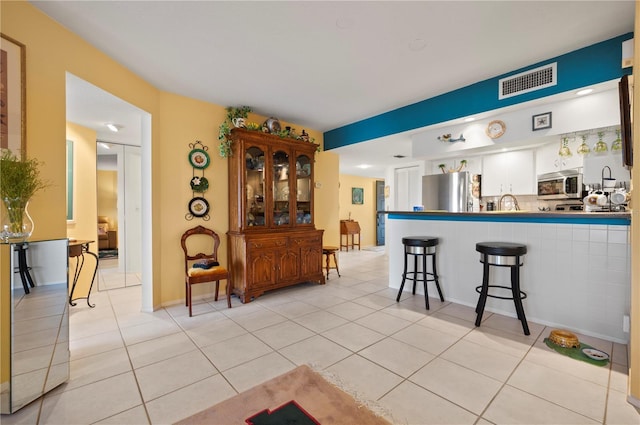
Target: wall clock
496, 128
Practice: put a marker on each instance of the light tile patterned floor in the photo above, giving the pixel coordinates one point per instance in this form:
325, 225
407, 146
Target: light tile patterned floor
425, 367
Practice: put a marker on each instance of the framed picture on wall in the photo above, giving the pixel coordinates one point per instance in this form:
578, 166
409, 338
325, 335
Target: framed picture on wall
12, 96
541, 121
357, 195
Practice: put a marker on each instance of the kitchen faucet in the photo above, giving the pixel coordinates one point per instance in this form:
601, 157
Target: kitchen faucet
508, 195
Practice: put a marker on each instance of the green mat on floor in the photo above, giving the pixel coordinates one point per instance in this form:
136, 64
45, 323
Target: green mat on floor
576, 353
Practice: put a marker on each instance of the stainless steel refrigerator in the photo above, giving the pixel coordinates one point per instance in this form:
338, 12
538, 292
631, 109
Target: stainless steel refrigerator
448, 192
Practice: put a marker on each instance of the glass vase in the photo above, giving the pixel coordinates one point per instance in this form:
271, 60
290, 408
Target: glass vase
17, 225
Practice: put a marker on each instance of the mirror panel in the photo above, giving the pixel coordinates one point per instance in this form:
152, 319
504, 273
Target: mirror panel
38, 332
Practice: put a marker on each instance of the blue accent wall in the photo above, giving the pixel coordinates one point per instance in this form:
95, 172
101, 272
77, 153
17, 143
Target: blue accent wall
590, 65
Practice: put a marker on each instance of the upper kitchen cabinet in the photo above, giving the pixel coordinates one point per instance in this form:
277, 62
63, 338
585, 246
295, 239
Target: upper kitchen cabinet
509, 172
548, 158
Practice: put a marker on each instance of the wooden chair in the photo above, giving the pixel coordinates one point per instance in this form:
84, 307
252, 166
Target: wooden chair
208, 239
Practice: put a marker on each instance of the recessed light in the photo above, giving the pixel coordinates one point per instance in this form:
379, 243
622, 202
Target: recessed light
584, 91
469, 119
399, 156
112, 127
364, 166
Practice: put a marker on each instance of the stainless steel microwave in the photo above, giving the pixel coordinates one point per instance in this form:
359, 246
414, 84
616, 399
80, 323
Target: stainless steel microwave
565, 184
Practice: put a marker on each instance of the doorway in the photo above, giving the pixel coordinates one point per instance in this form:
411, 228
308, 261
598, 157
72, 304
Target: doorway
118, 204
91, 107
380, 218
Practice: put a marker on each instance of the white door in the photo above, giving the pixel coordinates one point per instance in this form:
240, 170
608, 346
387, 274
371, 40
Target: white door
408, 188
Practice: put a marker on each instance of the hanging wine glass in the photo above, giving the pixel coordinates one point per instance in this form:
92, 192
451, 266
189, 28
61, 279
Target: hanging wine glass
564, 151
617, 144
584, 149
600, 147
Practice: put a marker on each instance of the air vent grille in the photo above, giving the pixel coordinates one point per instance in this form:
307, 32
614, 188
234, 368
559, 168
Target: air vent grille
525, 82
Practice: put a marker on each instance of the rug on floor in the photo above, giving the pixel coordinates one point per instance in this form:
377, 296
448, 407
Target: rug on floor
108, 253
323, 400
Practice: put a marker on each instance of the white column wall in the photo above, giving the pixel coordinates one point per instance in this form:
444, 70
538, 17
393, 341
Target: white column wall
576, 276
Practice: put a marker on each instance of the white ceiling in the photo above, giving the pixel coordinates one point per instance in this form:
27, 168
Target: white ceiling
324, 64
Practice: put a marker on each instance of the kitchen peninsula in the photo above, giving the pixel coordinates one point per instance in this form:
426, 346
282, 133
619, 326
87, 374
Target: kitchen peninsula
576, 273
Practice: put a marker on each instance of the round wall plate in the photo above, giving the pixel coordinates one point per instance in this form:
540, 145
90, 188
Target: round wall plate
199, 207
199, 184
199, 158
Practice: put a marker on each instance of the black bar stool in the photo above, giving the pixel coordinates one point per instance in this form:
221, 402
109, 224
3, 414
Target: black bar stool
23, 267
502, 254
423, 247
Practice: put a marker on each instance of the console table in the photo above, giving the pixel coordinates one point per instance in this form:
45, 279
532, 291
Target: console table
77, 249
349, 228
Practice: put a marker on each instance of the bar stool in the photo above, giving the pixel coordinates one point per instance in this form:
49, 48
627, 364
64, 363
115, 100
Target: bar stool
420, 247
330, 251
23, 268
502, 254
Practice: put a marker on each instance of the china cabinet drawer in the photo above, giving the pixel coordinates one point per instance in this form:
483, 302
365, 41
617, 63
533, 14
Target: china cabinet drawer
267, 243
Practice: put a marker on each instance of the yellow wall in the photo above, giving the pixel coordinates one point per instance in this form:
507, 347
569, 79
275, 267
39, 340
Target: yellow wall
176, 122
326, 199
107, 196
364, 214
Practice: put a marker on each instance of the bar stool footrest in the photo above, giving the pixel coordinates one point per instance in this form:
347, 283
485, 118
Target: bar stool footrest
523, 294
414, 278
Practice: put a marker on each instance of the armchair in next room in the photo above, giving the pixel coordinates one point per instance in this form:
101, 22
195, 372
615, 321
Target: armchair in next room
107, 238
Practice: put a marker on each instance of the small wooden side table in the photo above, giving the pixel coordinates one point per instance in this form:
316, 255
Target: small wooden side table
77, 249
349, 228
328, 252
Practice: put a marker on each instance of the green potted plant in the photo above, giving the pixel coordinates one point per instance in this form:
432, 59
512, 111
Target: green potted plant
237, 117
20, 180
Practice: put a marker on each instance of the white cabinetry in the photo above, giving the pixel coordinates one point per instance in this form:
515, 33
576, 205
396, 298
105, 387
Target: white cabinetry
548, 160
509, 172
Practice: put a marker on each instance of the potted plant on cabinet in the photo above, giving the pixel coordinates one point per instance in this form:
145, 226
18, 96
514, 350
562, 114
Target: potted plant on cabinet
20, 181
237, 117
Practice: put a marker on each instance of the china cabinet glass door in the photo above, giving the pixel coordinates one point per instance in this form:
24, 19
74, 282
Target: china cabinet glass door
281, 188
255, 209
303, 190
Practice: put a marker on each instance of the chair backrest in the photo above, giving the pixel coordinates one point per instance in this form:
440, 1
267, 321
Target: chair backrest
208, 242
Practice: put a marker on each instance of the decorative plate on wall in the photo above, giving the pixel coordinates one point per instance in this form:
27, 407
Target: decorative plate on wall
199, 207
199, 184
199, 159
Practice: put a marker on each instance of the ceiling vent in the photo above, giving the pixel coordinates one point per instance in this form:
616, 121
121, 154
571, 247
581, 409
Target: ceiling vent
528, 81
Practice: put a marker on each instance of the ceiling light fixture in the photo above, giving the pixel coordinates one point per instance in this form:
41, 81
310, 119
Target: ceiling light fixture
364, 166
584, 91
112, 127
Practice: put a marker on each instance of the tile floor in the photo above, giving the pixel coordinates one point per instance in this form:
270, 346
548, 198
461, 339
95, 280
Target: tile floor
424, 367
111, 277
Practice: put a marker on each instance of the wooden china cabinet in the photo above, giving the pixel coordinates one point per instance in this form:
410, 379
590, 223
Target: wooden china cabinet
273, 242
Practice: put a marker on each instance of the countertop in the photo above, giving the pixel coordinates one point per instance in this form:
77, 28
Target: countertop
569, 217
